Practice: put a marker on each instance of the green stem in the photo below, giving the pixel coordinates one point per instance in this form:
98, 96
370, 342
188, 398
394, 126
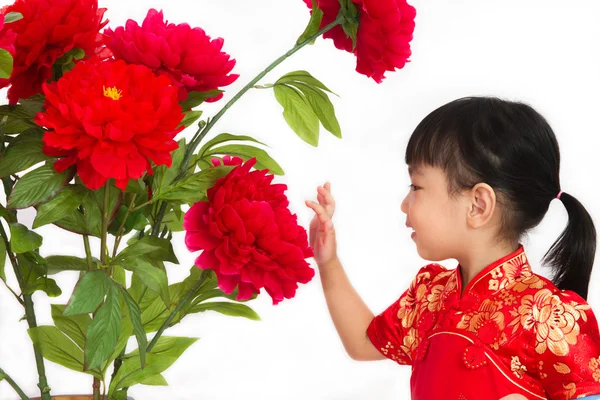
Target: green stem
103, 260
88, 251
14, 385
122, 226
188, 296
29, 316
106, 204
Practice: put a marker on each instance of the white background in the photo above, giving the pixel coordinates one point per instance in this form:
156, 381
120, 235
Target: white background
542, 52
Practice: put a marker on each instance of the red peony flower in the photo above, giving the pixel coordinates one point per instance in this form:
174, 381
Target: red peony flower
184, 54
110, 119
384, 34
48, 30
7, 36
248, 235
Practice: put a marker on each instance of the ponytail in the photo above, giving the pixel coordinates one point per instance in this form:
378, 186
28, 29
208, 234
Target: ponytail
571, 257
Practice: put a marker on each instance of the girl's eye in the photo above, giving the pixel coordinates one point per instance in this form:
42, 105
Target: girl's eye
413, 187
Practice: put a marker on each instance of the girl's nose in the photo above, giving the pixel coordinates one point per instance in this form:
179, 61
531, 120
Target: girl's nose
404, 205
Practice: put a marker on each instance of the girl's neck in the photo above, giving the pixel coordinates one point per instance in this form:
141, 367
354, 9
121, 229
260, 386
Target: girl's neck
477, 258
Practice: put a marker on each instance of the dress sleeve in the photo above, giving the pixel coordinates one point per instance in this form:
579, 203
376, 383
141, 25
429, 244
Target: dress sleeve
568, 346
394, 332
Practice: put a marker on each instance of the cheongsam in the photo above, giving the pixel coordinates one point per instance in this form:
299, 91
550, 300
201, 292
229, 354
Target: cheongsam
509, 331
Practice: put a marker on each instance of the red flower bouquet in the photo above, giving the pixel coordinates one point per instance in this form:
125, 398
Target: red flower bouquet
90, 141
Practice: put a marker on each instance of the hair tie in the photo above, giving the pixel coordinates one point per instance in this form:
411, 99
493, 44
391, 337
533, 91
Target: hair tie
558, 195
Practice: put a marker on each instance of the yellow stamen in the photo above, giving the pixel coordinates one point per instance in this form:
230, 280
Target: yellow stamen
112, 92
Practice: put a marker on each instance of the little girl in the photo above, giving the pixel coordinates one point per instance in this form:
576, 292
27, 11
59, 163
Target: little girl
483, 172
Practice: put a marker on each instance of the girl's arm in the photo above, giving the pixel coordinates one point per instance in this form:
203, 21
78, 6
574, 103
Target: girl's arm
349, 313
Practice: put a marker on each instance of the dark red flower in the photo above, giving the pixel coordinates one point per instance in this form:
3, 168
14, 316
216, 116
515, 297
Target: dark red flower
110, 119
384, 34
48, 30
248, 235
187, 55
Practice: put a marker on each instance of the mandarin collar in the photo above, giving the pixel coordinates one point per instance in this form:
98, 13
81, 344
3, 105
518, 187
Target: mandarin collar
497, 275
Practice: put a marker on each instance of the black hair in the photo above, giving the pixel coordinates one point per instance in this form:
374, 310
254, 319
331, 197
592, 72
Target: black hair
512, 148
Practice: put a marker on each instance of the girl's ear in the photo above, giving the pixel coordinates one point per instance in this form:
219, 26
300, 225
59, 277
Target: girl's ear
482, 203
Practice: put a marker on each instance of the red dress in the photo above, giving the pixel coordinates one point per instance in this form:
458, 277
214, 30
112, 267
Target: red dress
511, 331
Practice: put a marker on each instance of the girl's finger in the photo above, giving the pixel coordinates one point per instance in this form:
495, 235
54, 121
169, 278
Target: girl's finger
321, 199
327, 195
319, 210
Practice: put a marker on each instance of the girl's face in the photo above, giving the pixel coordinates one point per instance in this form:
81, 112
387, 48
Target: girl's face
438, 220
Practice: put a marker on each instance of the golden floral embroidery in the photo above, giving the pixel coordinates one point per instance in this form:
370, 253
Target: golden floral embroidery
487, 312
412, 304
562, 368
581, 308
442, 275
530, 282
553, 322
512, 273
435, 298
508, 298
595, 367
517, 368
570, 390
411, 342
542, 374
497, 273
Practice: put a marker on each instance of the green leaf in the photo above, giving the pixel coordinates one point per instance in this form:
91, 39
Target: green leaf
33, 105
225, 137
263, 160
154, 380
313, 25
190, 117
298, 114
75, 223
22, 239
163, 355
55, 346
75, 327
22, 154
149, 246
174, 221
322, 107
351, 22
91, 206
16, 111
192, 189
2, 260
88, 293
103, 332
37, 186
119, 275
60, 206
6, 64
227, 308
12, 17
164, 176
154, 278
194, 99
35, 275
136, 321
302, 76
66, 63
56, 264
7, 215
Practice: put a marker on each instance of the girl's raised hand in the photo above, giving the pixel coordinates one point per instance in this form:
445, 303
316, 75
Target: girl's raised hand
322, 235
